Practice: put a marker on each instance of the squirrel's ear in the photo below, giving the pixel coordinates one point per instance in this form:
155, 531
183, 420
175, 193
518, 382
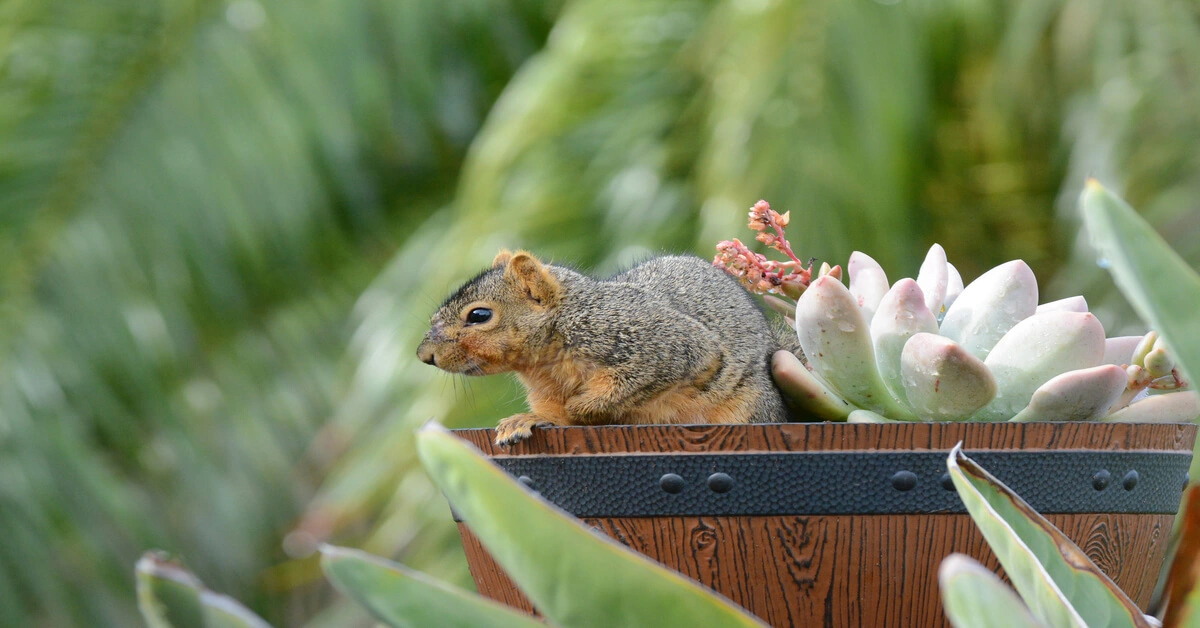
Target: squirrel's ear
502, 258
533, 278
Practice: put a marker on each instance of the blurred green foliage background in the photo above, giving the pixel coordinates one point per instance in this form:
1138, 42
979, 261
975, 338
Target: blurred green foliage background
223, 226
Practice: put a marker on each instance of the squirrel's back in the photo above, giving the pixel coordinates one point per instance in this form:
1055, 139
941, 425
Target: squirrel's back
696, 288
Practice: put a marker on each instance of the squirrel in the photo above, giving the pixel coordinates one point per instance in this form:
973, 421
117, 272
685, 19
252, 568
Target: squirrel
671, 340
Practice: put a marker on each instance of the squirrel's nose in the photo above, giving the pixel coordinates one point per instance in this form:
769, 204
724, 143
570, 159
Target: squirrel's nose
425, 354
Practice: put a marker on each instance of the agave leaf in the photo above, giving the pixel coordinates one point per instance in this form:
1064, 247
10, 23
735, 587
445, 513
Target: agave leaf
941, 380
933, 277
868, 282
574, 576
169, 596
1069, 304
1159, 284
1173, 407
1037, 349
974, 597
806, 391
1055, 578
1181, 589
990, 306
402, 597
901, 313
1081, 395
837, 343
1119, 350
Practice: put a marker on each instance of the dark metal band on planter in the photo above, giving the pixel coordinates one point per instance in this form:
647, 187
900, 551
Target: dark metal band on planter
838, 483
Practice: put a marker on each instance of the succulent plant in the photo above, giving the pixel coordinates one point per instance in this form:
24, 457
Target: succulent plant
931, 348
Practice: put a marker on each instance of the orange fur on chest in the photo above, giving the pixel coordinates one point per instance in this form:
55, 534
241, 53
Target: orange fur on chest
550, 386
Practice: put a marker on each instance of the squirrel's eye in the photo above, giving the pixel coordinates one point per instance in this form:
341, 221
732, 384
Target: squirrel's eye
479, 315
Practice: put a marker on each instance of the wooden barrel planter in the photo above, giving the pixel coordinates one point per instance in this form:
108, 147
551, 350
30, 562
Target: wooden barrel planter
838, 524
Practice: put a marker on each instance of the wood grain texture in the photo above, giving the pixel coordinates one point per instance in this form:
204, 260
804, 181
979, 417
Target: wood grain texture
841, 437
846, 570
489, 578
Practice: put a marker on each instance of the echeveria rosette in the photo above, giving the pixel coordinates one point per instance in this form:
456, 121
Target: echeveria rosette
932, 349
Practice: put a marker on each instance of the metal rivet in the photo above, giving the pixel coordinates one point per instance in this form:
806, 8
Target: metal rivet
1101, 479
528, 482
671, 483
904, 480
1130, 480
720, 483
947, 483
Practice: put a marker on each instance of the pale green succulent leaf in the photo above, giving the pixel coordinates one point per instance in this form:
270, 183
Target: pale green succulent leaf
1174, 407
866, 416
805, 391
1143, 348
1069, 304
1036, 350
1119, 350
837, 342
1061, 586
575, 577
781, 306
171, 597
933, 277
954, 287
942, 381
1079, 395
1159, 284
868, 282
990, 306
901, 313
974, 597
405, 598
1158, 362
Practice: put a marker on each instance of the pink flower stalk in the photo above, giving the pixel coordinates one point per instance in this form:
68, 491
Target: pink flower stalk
757, 273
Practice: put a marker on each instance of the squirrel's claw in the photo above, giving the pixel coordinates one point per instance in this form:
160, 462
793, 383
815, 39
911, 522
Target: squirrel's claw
517, 428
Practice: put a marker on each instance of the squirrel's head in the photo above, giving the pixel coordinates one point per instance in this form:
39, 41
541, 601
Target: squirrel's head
491, 323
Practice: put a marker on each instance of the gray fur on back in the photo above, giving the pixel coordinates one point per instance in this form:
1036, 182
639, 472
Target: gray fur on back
723, 317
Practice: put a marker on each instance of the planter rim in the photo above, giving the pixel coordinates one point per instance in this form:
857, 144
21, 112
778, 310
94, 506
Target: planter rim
939, 436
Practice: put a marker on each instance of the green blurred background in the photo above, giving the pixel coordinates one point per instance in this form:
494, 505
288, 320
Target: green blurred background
224, 225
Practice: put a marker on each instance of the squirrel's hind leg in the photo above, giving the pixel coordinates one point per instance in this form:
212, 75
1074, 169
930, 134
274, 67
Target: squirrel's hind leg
609, 395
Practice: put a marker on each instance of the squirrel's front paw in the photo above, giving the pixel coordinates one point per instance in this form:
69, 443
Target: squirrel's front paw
517, 428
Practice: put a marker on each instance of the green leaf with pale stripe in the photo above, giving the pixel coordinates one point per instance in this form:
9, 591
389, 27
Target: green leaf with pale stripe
1062, 587
974, 597
575, 577
169, 596
1159, 284
404, 598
